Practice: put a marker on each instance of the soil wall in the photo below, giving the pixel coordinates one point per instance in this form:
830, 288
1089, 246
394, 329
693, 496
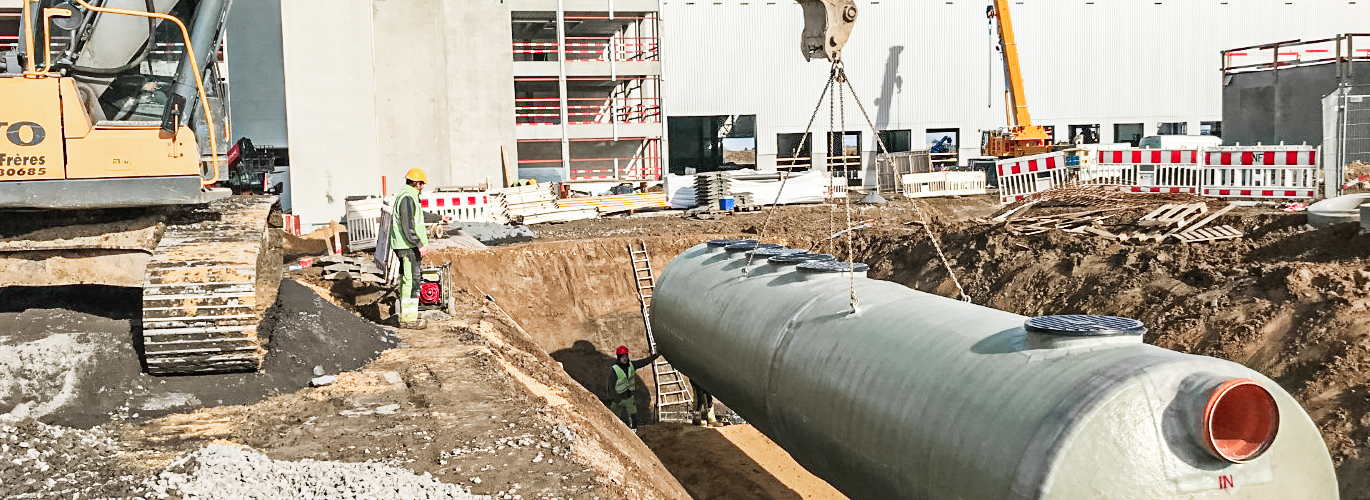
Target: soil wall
576, 298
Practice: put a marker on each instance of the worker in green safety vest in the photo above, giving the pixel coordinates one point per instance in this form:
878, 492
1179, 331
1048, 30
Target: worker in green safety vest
409, 240
623, 385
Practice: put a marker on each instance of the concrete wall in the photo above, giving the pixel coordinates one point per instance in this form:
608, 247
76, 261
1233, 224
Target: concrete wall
480, 90
376, 87
330, 105
1285, 105
256, 80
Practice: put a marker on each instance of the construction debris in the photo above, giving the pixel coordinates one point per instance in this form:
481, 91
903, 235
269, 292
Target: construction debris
1114, 216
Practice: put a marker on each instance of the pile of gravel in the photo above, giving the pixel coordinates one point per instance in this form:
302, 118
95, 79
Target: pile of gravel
233, 472
39, 461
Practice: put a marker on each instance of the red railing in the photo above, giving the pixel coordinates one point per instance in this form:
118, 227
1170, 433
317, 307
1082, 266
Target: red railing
644, 166
1351, 47
614, 48
587, 110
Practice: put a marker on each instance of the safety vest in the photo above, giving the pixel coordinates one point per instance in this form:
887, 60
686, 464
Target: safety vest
397, 241
626, 382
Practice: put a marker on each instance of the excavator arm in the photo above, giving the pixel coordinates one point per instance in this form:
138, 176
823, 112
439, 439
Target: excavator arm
827, 25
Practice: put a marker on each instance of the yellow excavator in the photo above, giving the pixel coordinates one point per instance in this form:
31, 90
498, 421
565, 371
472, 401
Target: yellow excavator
104, 181
1021, 137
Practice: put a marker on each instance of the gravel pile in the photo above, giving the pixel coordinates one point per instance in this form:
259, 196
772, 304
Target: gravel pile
225, 472
39, 461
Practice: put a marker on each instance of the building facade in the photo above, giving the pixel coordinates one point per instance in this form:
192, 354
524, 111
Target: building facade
926, 71
477, 92
368, 89
587, 89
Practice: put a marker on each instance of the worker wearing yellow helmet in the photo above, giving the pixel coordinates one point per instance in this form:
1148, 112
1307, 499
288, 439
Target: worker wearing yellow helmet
410, 243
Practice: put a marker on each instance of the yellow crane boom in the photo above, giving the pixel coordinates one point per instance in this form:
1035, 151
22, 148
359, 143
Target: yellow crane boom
1022, 137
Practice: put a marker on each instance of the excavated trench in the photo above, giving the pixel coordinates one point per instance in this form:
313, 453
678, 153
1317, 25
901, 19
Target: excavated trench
1286, 301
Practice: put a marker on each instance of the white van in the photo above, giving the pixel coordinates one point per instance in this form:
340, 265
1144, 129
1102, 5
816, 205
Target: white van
1180, 141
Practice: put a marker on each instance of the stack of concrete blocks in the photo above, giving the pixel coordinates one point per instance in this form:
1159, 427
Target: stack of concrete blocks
712, 187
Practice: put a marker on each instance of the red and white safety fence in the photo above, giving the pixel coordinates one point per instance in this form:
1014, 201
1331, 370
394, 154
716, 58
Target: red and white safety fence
1271, 172
1026, 175
1257, 172
465, 206
1153, 170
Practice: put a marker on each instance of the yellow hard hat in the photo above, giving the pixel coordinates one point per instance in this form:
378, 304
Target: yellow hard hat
416, 175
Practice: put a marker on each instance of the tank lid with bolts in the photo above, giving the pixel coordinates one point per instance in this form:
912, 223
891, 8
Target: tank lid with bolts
747, 245
768, 252
717, 246
800, 258
1081, 330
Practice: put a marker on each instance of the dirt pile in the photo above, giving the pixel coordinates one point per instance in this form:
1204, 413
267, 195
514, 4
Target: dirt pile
68, 358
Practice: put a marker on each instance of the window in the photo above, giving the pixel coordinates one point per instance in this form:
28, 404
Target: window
1211, 128
844, 154
1175, 128
1130, 133
944, 147
793, 151
1084, 134
897, 141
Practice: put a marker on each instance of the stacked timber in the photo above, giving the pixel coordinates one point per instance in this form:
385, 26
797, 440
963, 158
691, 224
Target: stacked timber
533, 205
617, 203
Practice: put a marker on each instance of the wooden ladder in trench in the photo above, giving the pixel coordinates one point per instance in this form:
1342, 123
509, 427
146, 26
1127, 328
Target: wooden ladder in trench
673, 399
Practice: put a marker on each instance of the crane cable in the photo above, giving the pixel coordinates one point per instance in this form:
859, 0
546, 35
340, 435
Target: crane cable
917, 207
838, 75
799, 146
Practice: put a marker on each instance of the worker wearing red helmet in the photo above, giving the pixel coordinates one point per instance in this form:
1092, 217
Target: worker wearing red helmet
623, 385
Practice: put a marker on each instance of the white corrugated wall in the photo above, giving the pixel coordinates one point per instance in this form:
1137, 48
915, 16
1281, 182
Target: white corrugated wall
920, 64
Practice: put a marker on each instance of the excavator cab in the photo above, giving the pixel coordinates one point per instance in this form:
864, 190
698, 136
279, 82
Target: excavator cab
827, 25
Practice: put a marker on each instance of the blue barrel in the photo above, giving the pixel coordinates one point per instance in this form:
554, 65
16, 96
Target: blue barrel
725, 203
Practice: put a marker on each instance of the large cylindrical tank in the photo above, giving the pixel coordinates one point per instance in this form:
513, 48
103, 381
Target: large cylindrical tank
924, 397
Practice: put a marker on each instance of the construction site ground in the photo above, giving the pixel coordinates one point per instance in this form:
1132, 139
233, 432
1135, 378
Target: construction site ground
500, 395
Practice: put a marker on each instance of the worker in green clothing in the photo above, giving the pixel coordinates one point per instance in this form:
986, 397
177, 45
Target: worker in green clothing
623, 383
409, 240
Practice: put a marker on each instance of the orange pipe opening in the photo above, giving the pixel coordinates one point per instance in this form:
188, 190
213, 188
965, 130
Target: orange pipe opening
1240, 421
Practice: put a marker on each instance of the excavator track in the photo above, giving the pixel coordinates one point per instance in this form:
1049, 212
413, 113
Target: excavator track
208, 284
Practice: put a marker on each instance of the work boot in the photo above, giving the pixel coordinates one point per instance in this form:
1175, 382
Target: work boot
409, 314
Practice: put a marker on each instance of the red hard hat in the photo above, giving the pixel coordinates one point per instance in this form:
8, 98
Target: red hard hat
623, 349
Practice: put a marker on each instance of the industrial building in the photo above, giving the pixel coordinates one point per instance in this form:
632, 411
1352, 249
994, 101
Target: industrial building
586, 90
1114, 71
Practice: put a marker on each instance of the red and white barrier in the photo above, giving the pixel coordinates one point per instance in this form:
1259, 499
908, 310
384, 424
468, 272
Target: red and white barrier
1023, 176
1265, 172
460, 206
1261, 172
1156, 170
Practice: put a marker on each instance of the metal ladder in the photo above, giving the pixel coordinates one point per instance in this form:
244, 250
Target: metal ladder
673, 399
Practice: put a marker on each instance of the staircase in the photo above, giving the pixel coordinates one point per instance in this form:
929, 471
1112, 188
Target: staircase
673, 399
